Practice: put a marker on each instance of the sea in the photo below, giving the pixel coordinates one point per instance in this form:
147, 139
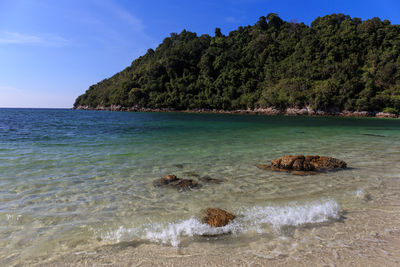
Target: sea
76, 182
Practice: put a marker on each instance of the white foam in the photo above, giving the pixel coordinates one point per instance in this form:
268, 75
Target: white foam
172, 232
253, 219
359, 193
294, 214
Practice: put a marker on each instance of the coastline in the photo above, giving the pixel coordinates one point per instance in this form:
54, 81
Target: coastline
259, 111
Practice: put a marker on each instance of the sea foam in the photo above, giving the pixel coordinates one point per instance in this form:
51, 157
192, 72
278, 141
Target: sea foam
252, 219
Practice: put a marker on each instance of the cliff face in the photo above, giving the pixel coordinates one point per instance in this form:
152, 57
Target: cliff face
337, 63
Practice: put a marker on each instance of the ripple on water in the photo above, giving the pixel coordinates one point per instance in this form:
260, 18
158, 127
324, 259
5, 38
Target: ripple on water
70, 175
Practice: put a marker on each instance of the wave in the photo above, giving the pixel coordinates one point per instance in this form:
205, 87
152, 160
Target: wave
252, 219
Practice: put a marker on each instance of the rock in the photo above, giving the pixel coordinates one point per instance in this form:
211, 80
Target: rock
298, 111
264, 167
270, 167
386, 115
304, 165
276, 162
287, 162
175, 182
307, 166
165, 180
278, 169
216, 217
321, 163
170, 177
184, 184
208, 179
298, 164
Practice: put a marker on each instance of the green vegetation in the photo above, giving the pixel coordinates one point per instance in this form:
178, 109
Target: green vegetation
337, 63
391, 110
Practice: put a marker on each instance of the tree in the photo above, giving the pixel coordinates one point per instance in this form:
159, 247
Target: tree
338, 62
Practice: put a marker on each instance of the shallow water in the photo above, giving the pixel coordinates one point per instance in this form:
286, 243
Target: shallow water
78, 180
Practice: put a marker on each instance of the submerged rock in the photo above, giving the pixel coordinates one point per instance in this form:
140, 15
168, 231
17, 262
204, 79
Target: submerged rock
216, 217
175, 182
304, 165
184, 184
165, 180
264, 166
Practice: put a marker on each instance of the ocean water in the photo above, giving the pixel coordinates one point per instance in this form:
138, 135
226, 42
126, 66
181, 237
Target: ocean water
77, 180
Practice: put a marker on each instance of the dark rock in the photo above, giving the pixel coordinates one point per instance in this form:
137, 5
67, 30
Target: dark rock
264, 167
276, 162
270, 167
184, 184
322, 163
287, 161
175, 182
307, 166
216, 217
298, 164
165, 180
304, 165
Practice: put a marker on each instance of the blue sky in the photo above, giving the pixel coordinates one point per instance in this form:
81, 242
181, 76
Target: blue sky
52, 51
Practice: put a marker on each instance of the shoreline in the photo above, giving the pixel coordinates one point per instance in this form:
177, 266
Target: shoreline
259, 111
363, 237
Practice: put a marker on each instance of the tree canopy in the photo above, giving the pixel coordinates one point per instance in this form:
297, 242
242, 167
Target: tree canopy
337, 62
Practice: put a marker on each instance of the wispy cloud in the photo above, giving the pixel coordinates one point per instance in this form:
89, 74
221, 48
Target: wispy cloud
114, 26
123, 14
7, 37
19, 38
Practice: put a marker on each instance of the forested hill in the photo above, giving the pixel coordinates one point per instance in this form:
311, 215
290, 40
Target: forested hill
336, 63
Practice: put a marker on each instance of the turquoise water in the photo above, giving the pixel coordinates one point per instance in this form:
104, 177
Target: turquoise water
75, 180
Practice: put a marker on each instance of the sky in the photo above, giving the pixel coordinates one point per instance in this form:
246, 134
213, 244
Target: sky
52, 51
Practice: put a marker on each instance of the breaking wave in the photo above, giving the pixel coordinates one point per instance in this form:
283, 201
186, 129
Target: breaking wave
253, 219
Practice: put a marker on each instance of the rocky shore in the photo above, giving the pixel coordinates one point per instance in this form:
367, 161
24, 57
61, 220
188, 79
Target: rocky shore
258, 111
304, 165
